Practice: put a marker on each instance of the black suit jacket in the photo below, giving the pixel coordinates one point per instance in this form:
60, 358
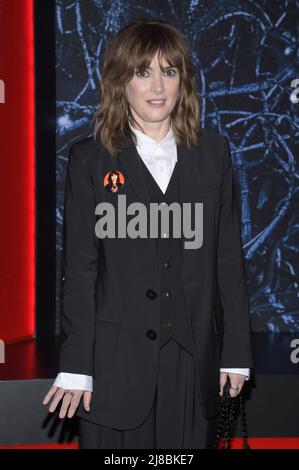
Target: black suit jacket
106, 314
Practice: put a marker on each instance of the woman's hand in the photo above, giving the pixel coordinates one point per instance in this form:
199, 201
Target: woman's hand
70, 402
236, 383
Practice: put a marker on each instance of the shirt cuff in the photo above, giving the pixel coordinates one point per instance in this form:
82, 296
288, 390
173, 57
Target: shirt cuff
237, 371
69, 381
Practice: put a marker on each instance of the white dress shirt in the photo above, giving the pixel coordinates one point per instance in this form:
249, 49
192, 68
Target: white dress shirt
160, 158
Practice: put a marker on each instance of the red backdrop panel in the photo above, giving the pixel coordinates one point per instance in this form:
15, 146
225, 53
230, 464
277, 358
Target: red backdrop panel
17, 207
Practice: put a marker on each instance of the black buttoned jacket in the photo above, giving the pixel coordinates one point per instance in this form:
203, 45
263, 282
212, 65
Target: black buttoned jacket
110, 320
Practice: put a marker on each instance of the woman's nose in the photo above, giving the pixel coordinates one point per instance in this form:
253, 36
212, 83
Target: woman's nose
157, 84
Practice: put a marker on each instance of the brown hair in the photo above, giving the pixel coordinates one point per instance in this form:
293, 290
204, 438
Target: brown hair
133, 48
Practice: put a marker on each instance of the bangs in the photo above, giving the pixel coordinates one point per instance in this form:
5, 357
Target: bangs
145, 47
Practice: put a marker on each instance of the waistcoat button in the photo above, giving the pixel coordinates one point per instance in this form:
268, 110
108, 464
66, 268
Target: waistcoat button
151, 294
151, 334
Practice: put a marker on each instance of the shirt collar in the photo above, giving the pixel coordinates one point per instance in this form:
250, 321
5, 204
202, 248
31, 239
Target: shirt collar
152, 150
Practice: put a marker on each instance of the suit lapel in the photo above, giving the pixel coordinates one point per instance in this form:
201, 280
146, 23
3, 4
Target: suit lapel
130, 162
188, 172
187, 161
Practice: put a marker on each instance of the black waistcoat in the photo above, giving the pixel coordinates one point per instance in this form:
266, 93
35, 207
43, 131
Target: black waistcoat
174, 321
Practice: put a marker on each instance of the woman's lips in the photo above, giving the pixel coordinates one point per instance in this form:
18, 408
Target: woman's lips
156, 105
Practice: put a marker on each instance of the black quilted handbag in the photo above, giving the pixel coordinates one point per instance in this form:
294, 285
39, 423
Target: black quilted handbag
229, 409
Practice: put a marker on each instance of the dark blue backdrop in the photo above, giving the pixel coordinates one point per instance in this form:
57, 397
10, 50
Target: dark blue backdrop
246, 56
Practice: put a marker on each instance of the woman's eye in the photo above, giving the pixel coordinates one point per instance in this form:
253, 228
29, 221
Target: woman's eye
173, 72
138, 73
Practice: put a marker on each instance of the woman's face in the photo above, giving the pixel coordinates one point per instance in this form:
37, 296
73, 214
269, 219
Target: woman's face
153, 84
114, 178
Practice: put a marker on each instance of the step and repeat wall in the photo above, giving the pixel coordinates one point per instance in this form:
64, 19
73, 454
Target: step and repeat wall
245, 56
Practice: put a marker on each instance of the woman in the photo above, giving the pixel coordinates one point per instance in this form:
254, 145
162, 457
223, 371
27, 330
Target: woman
153, 327
114, 183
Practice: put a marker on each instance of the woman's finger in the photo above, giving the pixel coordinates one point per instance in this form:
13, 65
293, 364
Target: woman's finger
57, 397
87, 400
75, 400
49, 394
222, 382
235, 388
65, 404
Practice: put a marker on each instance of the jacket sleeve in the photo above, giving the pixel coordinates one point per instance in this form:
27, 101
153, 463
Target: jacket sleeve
80, 266
232, 283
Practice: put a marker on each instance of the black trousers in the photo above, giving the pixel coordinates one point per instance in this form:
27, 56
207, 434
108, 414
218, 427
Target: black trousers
175, 420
